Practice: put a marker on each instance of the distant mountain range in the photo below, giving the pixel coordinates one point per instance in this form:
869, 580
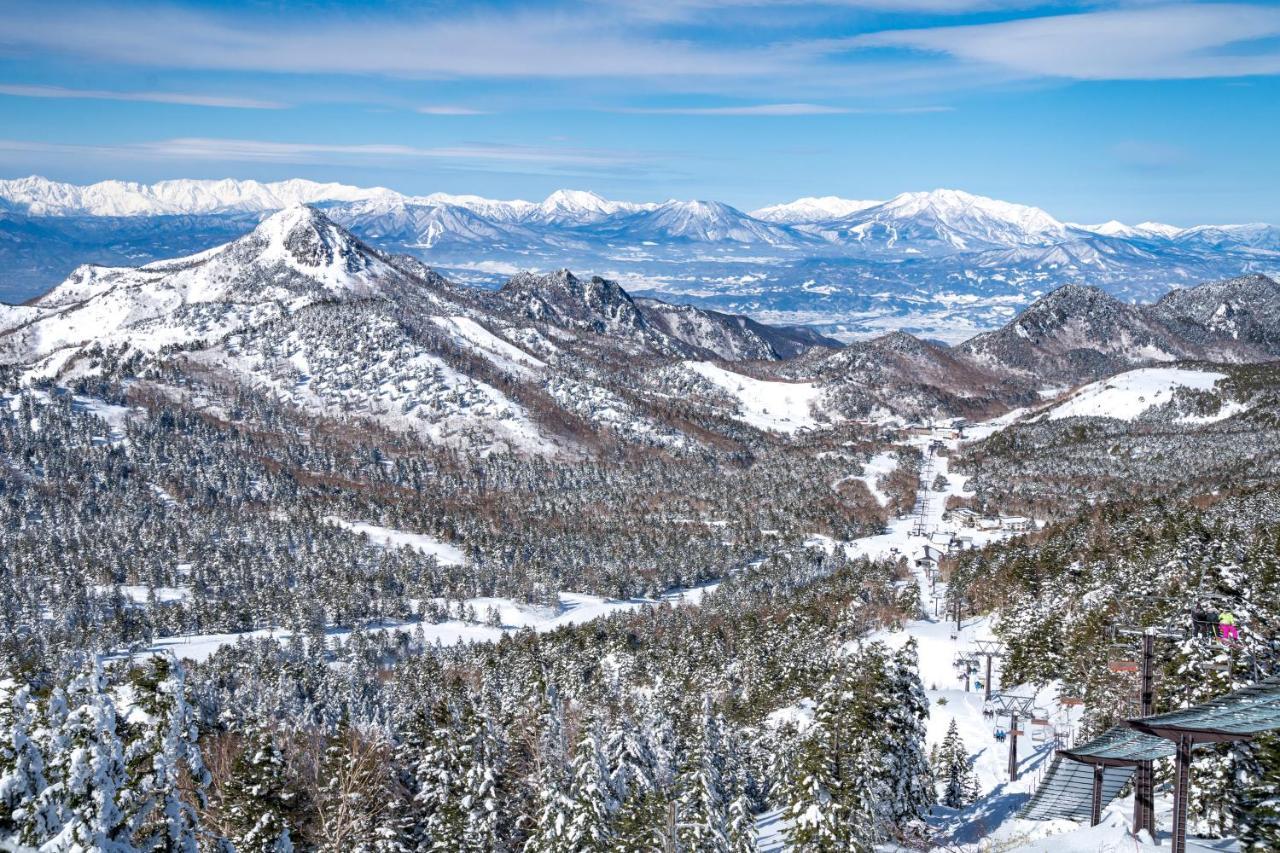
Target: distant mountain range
303, 311
942, 264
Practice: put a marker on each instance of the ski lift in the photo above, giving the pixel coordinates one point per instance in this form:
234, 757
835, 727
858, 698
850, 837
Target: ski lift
1039, 716
1122, 665
1070, 701
1204, 619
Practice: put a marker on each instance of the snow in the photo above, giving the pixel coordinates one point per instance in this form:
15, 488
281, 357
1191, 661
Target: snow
41, 197
388, 537
812, 209
1128, 395
495, 349
879, 465
774, 406
573, 609
141, 594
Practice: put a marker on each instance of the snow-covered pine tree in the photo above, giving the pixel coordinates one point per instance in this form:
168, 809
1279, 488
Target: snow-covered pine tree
440, 779
256, 798
701, 806
955, 770
550, 829
910, 775
86, 768
160, 818
484, 822
24, 814
1260, 822
632, 772
836, 802
591, 806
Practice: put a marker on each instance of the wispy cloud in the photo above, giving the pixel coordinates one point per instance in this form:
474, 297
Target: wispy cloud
185, 98
1182, 41
777, 110
1148, 156
685, 10
450, 110
253, 150
481, 44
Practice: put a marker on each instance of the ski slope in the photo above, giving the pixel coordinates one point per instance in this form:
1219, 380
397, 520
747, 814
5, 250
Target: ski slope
785, 407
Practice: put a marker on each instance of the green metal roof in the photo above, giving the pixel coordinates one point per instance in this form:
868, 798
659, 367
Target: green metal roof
1121, 745
1240, 714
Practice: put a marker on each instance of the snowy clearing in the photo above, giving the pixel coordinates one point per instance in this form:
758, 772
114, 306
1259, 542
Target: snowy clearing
1128, 395
573, 609
387, 537
775, 406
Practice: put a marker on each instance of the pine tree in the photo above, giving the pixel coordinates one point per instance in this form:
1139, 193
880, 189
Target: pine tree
838, 799
440, 781
551, 824
87, 766
701, 806
1260, 821
160, 817
22, 779
905, 725
591, 806
955, 770
256, 797
481, 784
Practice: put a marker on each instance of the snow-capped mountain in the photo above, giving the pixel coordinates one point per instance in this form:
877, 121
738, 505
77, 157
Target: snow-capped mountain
1078, 333
697, 222
811, 209
1143, 230
301, 309
37, 196
944, 221
945, 263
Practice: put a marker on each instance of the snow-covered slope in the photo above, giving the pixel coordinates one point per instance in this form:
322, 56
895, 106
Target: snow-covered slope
41, 197
784, 407
1131, 394
946, 220
294, 258
811, 209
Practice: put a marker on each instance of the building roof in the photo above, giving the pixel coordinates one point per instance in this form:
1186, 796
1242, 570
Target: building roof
1237, 715
1119, 746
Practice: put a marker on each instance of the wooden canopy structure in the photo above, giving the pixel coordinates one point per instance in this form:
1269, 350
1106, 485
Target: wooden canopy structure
1082, 779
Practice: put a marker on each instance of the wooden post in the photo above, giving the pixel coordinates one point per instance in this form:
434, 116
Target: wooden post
1181, 793
1013, 746
1144, 804
1095, 811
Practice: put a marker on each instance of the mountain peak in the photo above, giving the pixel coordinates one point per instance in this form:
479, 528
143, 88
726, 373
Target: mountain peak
945, 203
577, 201
565, 300
812, 209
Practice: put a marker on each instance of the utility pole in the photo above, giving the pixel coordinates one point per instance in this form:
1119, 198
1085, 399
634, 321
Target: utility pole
1013, 746
1017, 707
1144, 810
988, 649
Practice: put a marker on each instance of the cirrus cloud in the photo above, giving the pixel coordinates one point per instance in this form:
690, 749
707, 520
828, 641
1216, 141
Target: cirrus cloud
1182, 41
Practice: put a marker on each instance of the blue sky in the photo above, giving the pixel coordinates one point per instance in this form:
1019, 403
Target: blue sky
1134, 110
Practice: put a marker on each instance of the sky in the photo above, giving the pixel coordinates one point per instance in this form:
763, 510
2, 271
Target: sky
1127, 109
